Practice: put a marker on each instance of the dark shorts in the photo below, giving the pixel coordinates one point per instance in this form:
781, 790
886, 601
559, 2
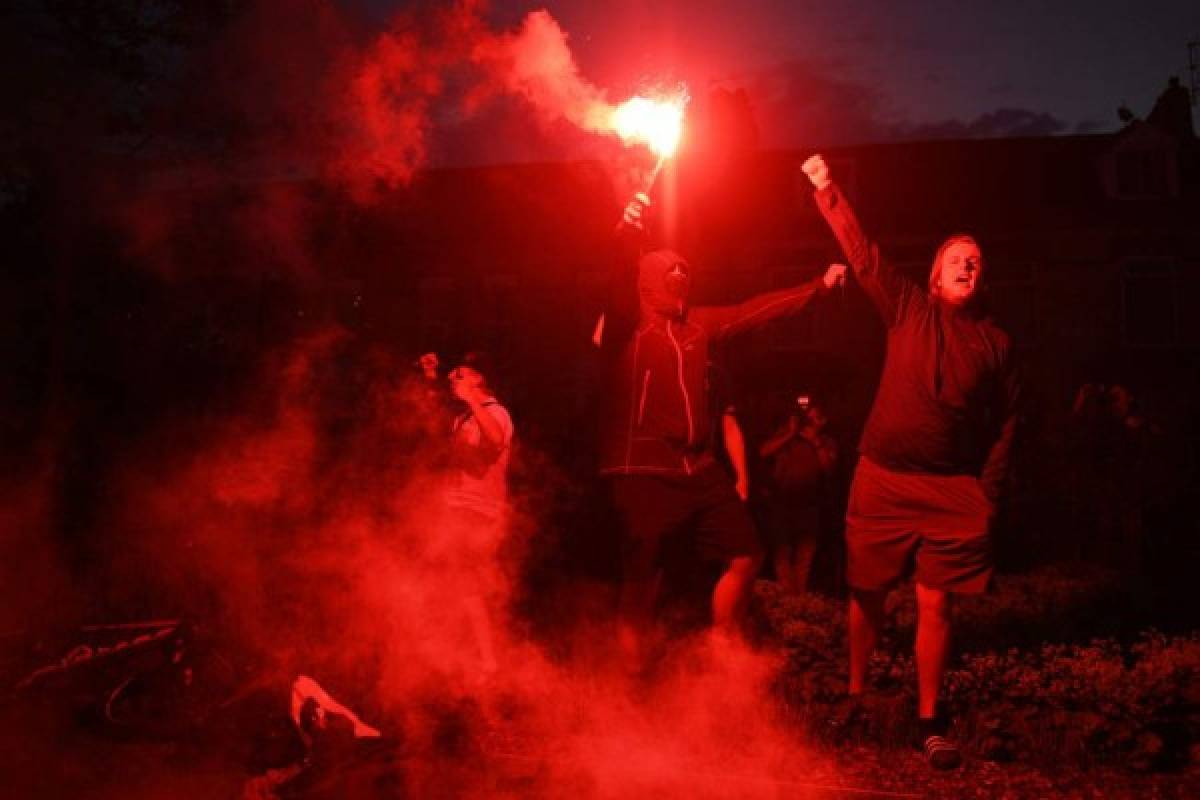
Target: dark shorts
936, 526
790, 524
703, 506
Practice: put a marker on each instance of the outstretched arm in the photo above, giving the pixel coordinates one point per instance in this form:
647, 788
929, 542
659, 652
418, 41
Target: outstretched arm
888, 289
721, 321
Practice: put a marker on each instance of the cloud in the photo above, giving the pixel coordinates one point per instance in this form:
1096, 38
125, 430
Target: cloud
998, 123
804, 103
1090, 126
801, 103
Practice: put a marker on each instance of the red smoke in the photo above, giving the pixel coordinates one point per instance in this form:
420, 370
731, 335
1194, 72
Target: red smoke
362, 113
296, 517
296, 96
320, 549
387, 100
536, 64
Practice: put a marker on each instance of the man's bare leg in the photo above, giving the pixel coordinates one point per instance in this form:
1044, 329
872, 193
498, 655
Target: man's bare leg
784, 571
638, 595
802, 560
732, 593
933, 644
866, 618
481, 628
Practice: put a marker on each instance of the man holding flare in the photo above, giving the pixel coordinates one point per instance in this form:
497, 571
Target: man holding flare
656, 449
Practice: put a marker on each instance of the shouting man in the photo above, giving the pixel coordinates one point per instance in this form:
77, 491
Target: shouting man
933, 455
656, 445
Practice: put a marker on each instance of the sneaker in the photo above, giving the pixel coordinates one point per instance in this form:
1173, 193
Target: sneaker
935, 744
941, 753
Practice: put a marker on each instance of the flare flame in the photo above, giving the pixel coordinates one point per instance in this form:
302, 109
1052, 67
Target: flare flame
656, 122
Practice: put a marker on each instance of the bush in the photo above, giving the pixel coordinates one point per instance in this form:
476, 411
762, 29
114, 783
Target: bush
1128, 700
1096, 701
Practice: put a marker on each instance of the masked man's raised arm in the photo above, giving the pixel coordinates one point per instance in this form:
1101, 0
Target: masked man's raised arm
621, 306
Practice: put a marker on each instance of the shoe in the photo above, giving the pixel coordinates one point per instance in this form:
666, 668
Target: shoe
933, 742
941, 753
850, 716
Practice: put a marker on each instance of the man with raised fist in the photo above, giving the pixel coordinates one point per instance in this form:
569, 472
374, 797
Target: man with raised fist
656, 447
934, 452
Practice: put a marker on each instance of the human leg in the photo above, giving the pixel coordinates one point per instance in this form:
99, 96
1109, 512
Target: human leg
725, 532
866, 619
779, 529
470, 567
782, 559
879, 547
933, 643
481, 628
932, 646
648, 508
732, 593
805, 538
954, 556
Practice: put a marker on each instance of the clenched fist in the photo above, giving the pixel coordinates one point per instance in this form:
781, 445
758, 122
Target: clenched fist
428, 363
817, 171
742, 487
635, 211
835, 276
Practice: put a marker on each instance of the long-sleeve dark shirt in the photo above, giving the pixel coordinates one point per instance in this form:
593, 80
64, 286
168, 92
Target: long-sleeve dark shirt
656, 418
947, 399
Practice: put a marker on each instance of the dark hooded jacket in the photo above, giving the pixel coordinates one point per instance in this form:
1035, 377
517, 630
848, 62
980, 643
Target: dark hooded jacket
656, 418
948, 396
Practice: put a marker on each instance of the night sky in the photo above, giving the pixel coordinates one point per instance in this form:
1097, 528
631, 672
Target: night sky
873, 70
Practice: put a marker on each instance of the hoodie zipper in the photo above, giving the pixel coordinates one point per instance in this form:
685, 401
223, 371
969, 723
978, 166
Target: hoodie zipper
687, 402
642, 401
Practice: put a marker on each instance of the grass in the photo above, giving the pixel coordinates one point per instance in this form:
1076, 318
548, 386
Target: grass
1050, 669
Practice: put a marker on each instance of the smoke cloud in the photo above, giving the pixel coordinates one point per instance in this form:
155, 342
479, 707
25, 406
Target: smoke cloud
308, 535
535, 63
295, 105
291, 508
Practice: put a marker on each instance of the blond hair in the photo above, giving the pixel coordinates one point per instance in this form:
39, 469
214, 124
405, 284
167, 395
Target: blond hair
936, 268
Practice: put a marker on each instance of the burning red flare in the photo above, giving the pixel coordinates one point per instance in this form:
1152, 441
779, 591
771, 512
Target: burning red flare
655, 122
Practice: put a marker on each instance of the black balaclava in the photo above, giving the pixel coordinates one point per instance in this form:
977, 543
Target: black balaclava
661, 291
